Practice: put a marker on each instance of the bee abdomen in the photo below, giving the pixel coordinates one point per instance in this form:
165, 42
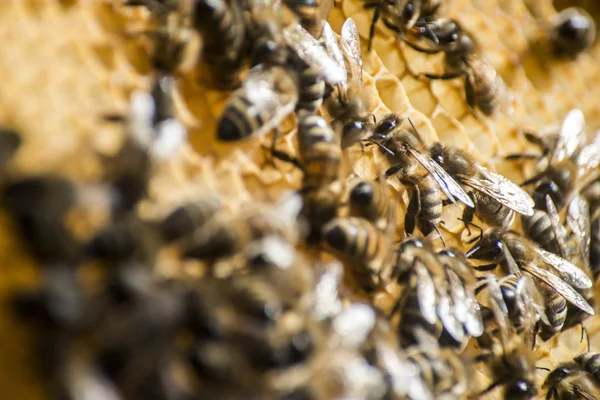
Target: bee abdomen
412, 317
320, 153
539, 228
240, 119
556, 310
309, 14
430, 213
312, 89
184, 220
590, 362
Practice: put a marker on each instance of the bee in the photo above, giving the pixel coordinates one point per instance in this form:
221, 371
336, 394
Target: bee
39, 205
484, 88
362, 245
400, 15
573, 32
372, 201
435, 297
185, 219
311, 13
594, 248
228, 233
578, 379
511, 362
495, 197
350, 103
274, 87
442, 370
406, 150
223, 31
517, 254
546, 229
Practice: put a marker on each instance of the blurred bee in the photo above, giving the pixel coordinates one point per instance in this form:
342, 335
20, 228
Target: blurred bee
484, 88
373, 201
274, 87
511, 362
226, 234
573, 32
435, 297
185, 219
578, 379
407, 152
350, 103
516, 254
400, 15
442, 370
311, 13
495, 197
223, 31
363, 246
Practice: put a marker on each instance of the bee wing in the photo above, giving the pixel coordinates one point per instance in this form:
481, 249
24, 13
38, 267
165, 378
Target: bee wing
502, 190
560, 233
405, 376
570, 136
563, 288
447, 315
466, 308
474, 321
310, 50
426, 293
333, 48
427, 342
264, 88
327, 302
530, 301
570, 273
350, 41
498, 306
354, 324
578, 219
451, 189
589, 157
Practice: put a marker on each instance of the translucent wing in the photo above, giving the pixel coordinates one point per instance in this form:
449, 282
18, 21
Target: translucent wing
350, 41
333, 48
560, 233
570, 136
273, 95
564, 289
327, 302
426, 293
458, 295
446, 313
451, 189
498, 306
474, 321
170, 138
310, 50
589, 157
502, 190
578, 219
513, 267
570, 273
530, 300
354, 324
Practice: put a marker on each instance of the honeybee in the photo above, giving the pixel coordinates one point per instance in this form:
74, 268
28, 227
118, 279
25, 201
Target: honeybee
226, 234
185, 219
400, 15
435, 297
516, 254
511, 362
221, 25
573, 32
495, 197
578, 379
372, 201
274, 86
546, 229
406, 150
350, 103
311, 13
484, 88
363, 246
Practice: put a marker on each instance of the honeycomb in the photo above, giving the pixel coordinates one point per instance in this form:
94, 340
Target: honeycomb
66, 63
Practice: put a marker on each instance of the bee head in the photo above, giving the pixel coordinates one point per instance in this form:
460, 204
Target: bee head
556, 376
520, 389
489, 247
362, 194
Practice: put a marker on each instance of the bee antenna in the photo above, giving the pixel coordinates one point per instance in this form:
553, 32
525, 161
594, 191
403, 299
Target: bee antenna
440, 236
419, 138
585, 333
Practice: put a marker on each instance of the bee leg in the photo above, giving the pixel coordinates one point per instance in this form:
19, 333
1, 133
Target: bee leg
440, 234
585, 333
485, 267
382, 147
522, 156
533, 179
445, 77
492, 386
285, 157
376, 15
411, 212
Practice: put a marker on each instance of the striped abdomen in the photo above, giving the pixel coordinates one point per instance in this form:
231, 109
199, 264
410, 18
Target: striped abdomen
538, 228
444, 375
411, 317
370, 200
240, 119
221, 27
590, 362
311, 88
493, 213
361, 244
309, 14
483, 88
184, 220
508, 286
430, 205
556, 310
320, 153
